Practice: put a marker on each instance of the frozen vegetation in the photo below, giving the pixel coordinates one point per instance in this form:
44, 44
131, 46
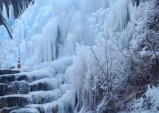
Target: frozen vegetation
94, 56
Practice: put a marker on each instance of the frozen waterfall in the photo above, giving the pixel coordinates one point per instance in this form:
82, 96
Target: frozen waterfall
50, 29
59, 34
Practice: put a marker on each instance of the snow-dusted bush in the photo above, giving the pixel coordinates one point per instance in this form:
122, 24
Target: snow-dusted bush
145, 56
144, 61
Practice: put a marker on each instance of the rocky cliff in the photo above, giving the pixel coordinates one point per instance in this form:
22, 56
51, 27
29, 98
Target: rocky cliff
17, 5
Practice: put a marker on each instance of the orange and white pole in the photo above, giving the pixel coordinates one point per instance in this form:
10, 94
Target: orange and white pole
19, 65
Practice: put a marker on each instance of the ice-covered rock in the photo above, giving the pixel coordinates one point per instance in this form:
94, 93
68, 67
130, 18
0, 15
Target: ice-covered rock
18, 87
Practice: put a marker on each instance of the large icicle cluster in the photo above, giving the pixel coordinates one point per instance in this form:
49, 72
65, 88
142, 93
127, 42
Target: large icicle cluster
50, 29
92, 32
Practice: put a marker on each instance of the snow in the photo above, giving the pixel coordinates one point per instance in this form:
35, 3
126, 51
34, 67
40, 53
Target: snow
25, 110
149, 104
152, 94
28, 97
65, 87
61, 64
47, 95
61, 103
42, 73
52, 82
65, 100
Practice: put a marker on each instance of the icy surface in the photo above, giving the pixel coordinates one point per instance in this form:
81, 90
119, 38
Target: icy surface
37, 74
25, 110
53, 82
50, 29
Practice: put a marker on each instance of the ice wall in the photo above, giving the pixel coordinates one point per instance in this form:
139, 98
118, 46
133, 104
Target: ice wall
61, 24
50, 29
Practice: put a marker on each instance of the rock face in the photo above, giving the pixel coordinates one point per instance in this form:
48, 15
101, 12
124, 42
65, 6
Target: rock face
10, 101
17, 87
3, 89
20, 93
2, 72
17, 5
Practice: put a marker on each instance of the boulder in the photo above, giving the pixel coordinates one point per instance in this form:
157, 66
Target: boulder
3, 88
8, 110
10, 101
2, 72
7, 78
42, 86
18, 87
22, 77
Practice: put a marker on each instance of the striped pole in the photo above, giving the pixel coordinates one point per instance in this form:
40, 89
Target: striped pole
19, 65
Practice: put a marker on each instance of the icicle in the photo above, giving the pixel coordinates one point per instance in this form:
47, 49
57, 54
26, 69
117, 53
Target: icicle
4, 13
11, 15
50, 41
117, 18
